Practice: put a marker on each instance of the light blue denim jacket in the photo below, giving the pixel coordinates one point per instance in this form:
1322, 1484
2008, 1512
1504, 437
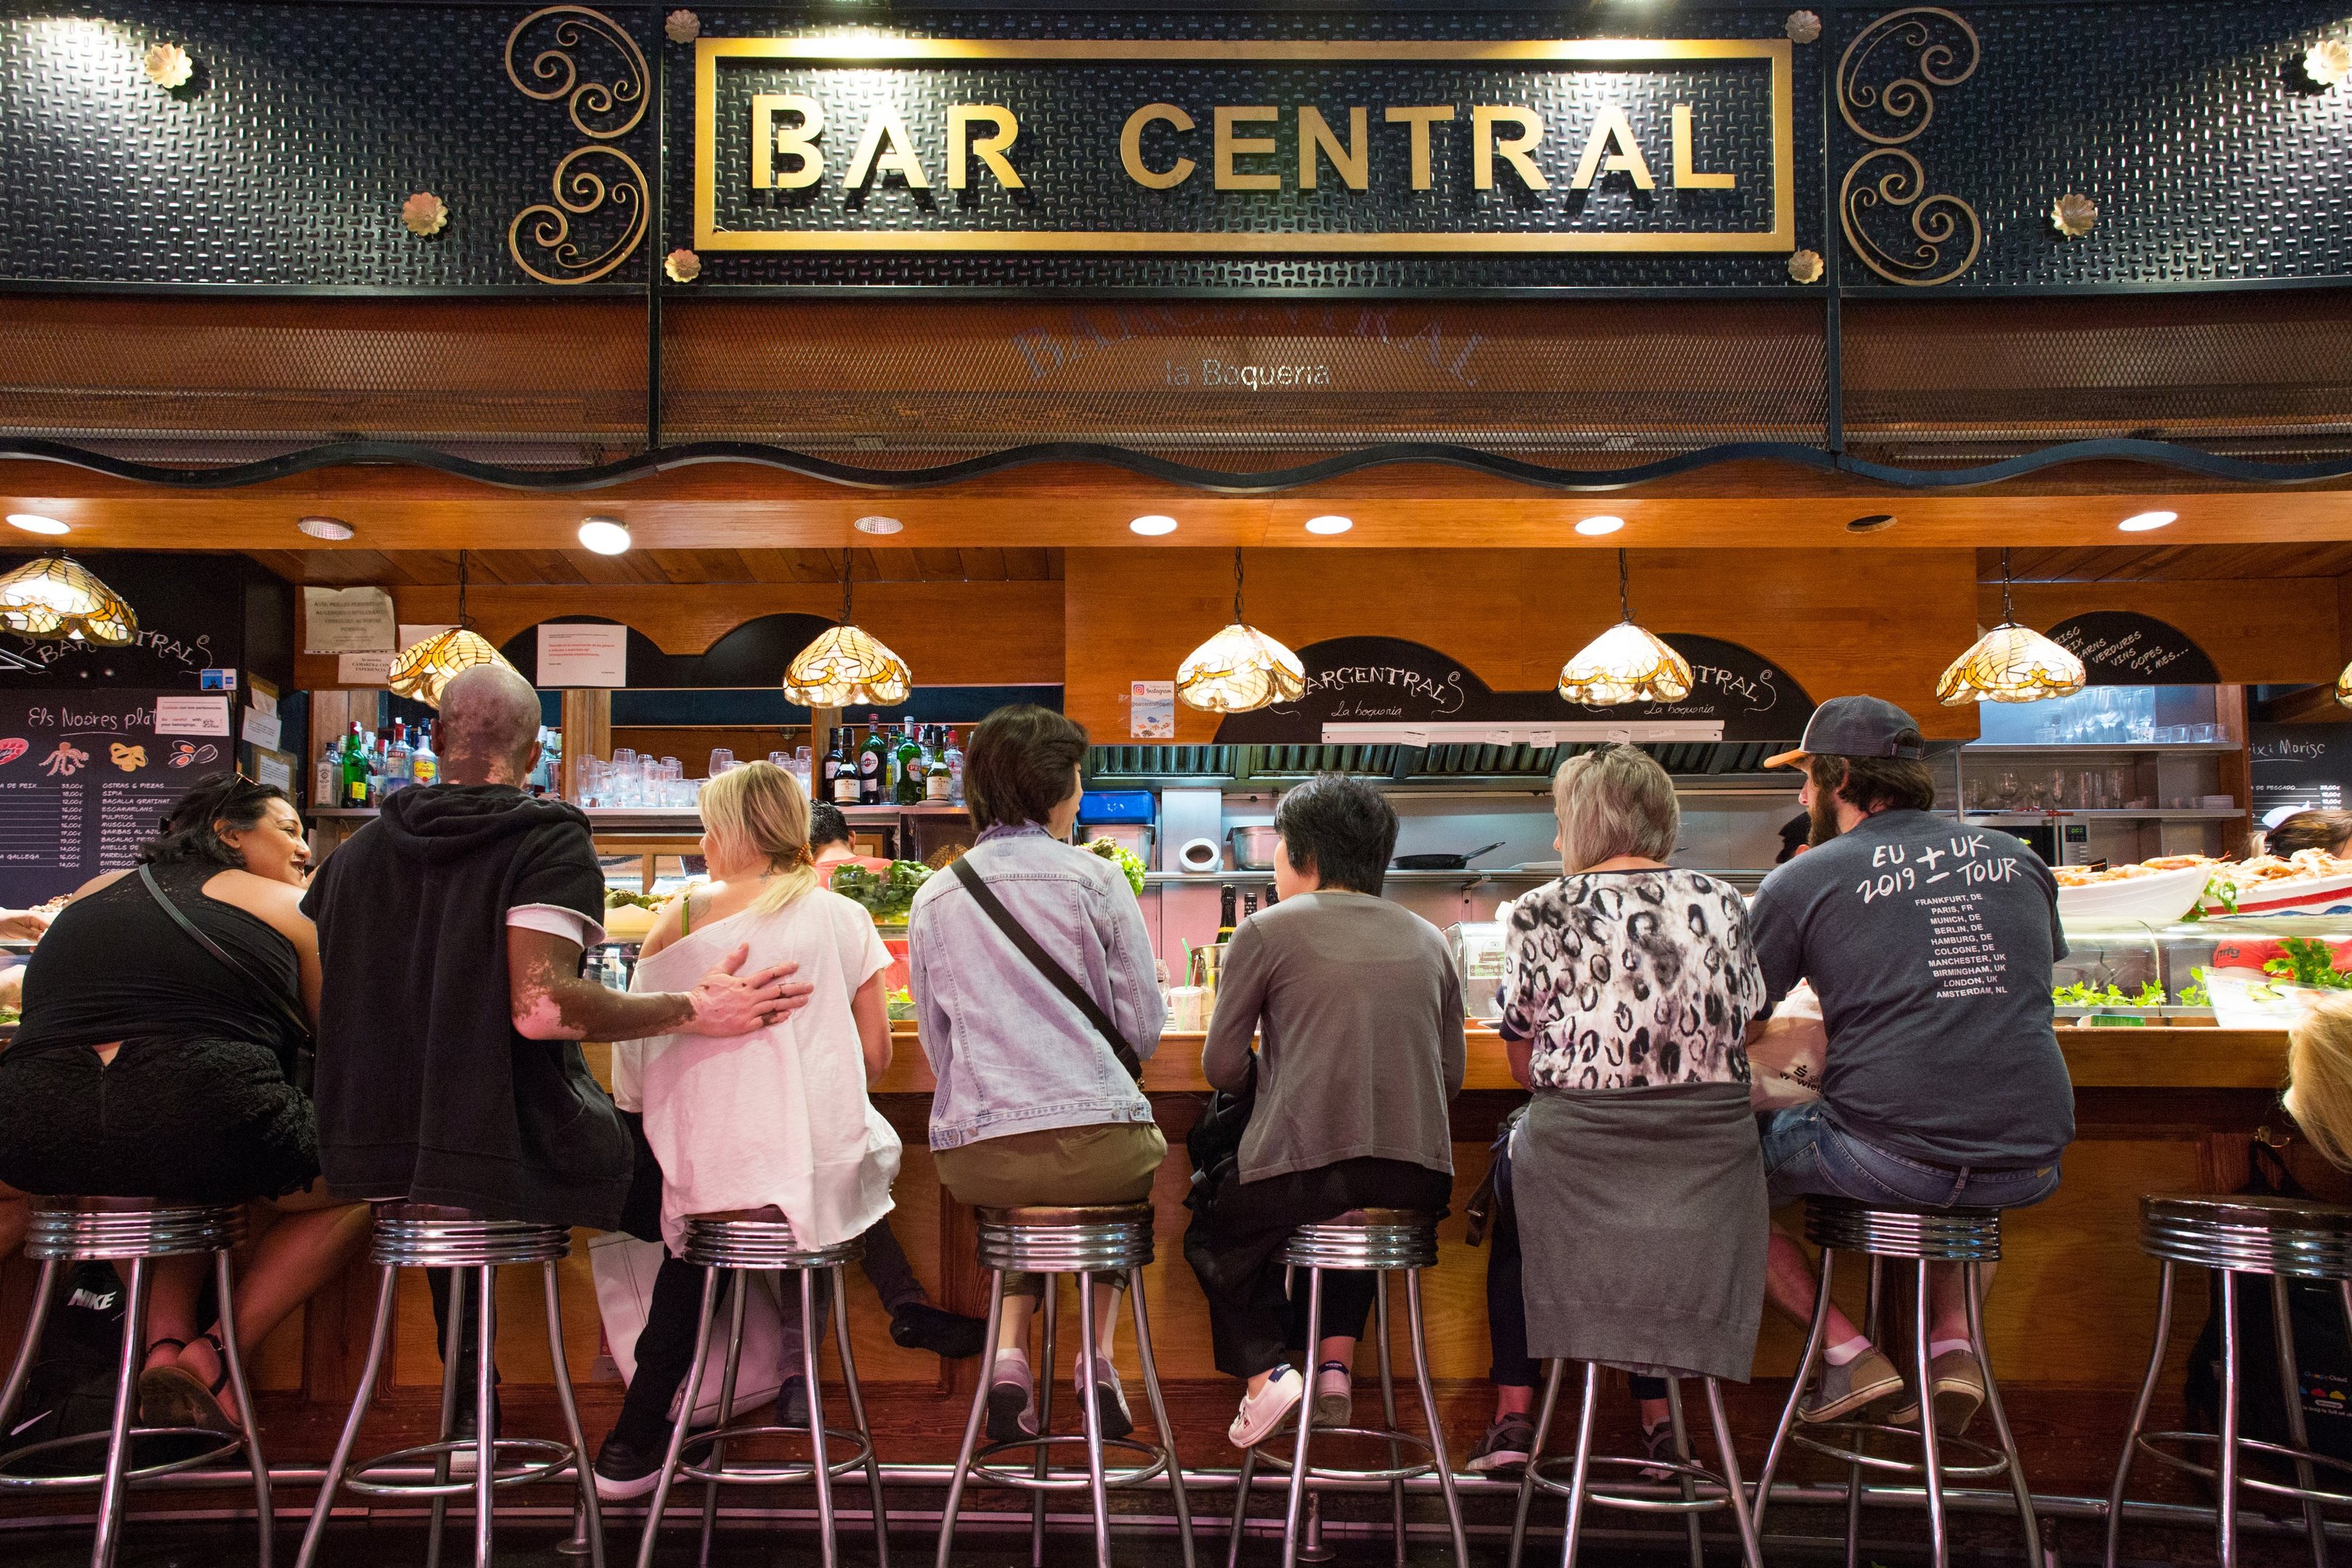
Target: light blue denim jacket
1011, 1054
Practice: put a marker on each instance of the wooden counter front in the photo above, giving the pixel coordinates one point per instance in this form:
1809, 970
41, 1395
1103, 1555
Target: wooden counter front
2159, 1111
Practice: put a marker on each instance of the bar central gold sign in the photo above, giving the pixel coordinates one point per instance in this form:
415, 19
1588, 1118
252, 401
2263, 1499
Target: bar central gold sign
865, 143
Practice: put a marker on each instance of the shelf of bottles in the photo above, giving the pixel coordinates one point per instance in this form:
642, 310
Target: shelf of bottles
355, 774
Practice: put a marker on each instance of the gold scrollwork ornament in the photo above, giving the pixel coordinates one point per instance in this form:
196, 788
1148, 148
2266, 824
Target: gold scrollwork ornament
1936, 220
579, 192
1901, 108
558, 76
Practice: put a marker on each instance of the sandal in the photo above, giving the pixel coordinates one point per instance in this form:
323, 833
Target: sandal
175, 1396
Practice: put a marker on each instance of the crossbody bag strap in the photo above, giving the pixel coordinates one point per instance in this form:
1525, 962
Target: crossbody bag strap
1047, 965
276, 997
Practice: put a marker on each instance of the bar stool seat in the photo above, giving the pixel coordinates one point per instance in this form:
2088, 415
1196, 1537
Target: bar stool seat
1966, 1238
744, 1242
2274, 1237
1084, 1241
67, 1231
430, 1235
1379, 1242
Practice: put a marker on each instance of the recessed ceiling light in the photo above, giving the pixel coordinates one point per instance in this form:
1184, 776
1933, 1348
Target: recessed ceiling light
1334, 523
1152, 525
1871, 525
877, 525
325, 528
34, 523
2146, 521
604, 535
1592, 527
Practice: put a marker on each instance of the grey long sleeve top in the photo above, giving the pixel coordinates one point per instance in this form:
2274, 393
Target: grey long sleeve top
1358, 1010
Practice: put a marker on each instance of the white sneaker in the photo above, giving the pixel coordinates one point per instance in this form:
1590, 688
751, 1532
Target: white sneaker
1262, 1413
1335, 1394
1110, 1397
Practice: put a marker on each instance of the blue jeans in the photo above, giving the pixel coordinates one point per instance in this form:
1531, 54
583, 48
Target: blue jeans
1803, 1154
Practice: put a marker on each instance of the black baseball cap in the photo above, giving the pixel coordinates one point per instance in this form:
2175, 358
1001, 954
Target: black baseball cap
1854, 727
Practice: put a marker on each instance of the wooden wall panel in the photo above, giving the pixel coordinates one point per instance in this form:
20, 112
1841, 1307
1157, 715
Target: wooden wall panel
2275, 630
1842, 621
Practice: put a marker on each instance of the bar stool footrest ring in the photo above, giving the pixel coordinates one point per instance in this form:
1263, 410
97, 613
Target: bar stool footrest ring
1692, 1469
2147, 1442
1993, 1462
1269, 1454
786, 1473
559, 1459
1068, 1481
229, 1445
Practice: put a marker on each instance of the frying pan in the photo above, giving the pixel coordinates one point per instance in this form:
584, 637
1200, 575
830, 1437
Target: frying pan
1442, 862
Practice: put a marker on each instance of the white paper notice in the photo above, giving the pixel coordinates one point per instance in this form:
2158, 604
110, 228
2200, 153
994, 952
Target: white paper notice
263, 697
570, 656
364, 670
1151, 710
262, 728
274, 768
347, 620
192, 716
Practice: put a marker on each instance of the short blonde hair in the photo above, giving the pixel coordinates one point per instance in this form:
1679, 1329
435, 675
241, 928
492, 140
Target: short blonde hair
2319, 1077
758, 811
1614, 800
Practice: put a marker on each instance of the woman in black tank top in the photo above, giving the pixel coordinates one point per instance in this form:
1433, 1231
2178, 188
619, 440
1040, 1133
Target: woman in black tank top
148, 1065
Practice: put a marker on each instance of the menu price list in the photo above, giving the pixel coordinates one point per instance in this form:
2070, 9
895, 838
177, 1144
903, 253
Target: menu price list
56, 834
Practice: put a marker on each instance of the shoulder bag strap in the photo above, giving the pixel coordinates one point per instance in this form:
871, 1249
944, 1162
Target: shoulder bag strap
277, 999
1046, 965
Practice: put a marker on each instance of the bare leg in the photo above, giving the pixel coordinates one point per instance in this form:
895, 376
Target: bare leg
172, 1284
1789, 1282
1512, 1400
15, 1219
1654, 1411
297, 1255
1947, 1292
1012, 1333
1107, 1295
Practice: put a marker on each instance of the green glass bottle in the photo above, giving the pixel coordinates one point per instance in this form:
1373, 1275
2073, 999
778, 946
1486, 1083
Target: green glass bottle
907, 782
355, 768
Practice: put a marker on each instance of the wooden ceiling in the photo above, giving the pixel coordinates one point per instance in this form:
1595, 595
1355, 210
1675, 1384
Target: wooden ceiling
659, 568
2168, 564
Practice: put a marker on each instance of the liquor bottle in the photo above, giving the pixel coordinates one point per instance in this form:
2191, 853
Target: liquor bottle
1249, 905
1225, 912
354, 768
938, 782
955, 767
375, 770
907, 781
870, 763
828, 767
424, 764
841, 765
398, 759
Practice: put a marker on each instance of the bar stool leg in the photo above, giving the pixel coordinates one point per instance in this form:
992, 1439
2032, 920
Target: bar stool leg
126, 1403
1972, 1286
1805, 1364
1388, 1416
1535, 1454
971, 1425
741, 1281
1436, 1427
1581, 1475
264, 1514
1241, 1507
485, 1392
865, 1430
2225, 1463
1090, 1419
1049, 1305
687, 1402
2147, 1397
1296, 1502
324, 1508
1930, 1442
1683, 1454
1857, 1480
452, 1339
1751, 1547
29, 1348
584, 1469
1160, 1416
2291, 1386
819, 1470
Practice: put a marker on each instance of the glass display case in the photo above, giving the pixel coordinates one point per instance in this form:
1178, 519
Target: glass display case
2122, 972
1477, 948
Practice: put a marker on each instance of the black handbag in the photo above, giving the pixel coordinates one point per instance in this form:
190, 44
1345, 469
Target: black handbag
1214, 1143
306, 1048
1045, 964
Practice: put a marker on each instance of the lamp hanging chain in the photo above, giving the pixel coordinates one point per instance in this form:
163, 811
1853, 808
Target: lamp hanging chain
845, 580
2007, 616
1624, 599
462, 622
1238, 588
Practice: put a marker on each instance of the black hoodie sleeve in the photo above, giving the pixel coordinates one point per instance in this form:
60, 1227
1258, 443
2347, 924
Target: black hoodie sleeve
558, 866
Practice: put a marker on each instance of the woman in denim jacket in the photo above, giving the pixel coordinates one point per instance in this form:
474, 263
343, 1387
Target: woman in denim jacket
1032, 1106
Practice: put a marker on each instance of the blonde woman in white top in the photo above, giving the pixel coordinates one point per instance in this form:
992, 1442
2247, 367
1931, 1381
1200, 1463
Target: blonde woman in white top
776, 1118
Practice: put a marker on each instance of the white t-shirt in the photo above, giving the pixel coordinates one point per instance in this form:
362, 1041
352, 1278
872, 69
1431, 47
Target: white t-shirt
778, 1116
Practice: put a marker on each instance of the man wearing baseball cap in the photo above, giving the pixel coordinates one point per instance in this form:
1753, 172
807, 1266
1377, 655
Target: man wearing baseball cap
1930, 945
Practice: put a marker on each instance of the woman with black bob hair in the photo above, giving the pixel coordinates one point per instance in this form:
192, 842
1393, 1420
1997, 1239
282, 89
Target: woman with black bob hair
148, 1066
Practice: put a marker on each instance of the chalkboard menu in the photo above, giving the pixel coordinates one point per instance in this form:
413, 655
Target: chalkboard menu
85, 779
2123, 647
2304, 765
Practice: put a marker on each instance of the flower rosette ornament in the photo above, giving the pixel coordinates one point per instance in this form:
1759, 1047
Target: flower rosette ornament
425, 215
168, 67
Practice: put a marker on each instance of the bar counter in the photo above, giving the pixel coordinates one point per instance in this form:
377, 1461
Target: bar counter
2160, 1109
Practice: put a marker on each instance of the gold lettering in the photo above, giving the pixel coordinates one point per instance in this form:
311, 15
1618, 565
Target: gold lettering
1316, 142
1230, 146
1610, 127
883, 127
794, 141
1131, 148
989, 149
1420, 116
1484, 144
1688, 176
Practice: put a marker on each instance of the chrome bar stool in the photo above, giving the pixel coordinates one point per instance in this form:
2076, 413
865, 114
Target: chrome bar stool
138, 1231
427, 1236
1691, 1476
744, 1244
2282, 1238
1967, 1237
1053, 1242
1374, 1241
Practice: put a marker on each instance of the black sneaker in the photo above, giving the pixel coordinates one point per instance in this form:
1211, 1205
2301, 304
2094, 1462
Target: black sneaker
625, 1471
462, 1429
1658, 1448
792, 1404
1503, 1451
950, 1336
